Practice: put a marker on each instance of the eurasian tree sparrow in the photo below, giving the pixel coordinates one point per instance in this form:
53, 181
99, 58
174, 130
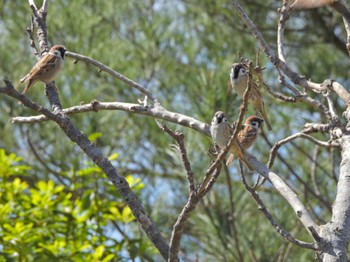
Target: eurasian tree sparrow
221, 132
46, 69
248, 134
239, 81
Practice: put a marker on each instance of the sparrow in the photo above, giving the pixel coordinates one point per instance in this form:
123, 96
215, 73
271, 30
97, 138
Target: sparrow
335, 4
239, 81
221, 133
248, 133
46, 69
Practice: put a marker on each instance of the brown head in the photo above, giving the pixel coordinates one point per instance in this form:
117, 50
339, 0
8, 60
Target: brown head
58, 50
254, 121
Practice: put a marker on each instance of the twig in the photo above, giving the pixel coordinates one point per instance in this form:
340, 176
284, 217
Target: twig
299, 179
232, 218
40, 18
113, 73
156, 111
43, 162
301, 148
33, 7
192, 200
290, 99
44, 6
277, 95
333, 165
316, 127
313, 170
335, 120
293, 200
179, 137
180, 224
292, 137
30, 32
330, 85
280, 31
267, 214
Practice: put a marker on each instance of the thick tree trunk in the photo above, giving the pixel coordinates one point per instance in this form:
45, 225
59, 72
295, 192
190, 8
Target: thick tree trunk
336, 233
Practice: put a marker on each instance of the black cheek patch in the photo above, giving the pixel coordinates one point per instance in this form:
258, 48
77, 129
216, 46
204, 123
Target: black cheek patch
236, 71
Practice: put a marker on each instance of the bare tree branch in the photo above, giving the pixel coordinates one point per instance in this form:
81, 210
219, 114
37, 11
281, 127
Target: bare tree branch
179, 137
292, 137
44, 6
43, 162
156, 111
33, 7
280, 31
338, 229
267, 214
232, 216
191, 202
30, 32
313, 170
293, 200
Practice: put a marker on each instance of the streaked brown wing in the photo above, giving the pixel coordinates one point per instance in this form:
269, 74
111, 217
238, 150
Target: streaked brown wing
45, 64
247, 136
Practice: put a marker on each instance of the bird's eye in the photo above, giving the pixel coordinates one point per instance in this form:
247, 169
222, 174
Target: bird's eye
224, 120
255, 124
243, 71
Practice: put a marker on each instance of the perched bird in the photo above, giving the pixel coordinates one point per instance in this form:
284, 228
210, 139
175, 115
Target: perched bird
338, 5
221, 132
46, 69
239, 81
249, 132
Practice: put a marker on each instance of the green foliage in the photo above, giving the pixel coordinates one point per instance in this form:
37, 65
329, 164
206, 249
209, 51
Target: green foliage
47, 221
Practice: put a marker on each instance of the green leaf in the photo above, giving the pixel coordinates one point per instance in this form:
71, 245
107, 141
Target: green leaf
112, 157
99, 252
108, 258
94, 136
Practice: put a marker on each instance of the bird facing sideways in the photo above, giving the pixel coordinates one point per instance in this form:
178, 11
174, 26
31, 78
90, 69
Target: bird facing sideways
239, 82
46, 69
221, 132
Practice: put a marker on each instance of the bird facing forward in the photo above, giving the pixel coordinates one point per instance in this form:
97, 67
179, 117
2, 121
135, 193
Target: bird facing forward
221, 132
239, 82
46, 69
